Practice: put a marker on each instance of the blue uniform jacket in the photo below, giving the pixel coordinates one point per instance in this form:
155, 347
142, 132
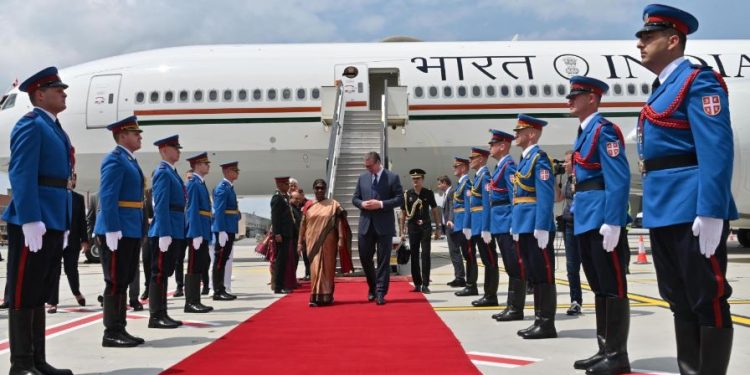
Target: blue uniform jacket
226, 213
678, 195
169, 196
478, 203
459, 202
198, 213
602, 153
121, 184
39, 148
534, 193
501, 192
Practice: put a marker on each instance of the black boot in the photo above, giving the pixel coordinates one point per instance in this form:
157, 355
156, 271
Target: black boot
39, 340
688, 337
537, 314
144, 296
157, 308
114, 336
716, 347
164, 304
20, 338
616, 359
193, 296
545, 329
123, 317
600, 304
516, 301
220, 293
468, 290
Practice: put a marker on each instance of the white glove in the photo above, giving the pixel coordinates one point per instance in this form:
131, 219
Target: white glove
467, 233
223, 238
197, 241
515, 235
542, 238
708, 230
611, 234
65, 239
164, 243
32, 233
112, 238
486, 236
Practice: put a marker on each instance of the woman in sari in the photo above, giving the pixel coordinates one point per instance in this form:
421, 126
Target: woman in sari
322, 233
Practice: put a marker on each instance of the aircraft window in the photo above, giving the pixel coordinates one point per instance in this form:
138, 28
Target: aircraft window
447, 91
504, 90
461, 91
213, 95
227, 95
257, 94
490, 91
617, 89
169, 96
271, 94
518, 90
184, 96
140, 97
198, 96
301, 94
631, 89
645, 88
286, 94
533, 90
433, 92
561, 91
547, 90
242, 95
418, 92
315, 93
476, 91
9, 102
154, 97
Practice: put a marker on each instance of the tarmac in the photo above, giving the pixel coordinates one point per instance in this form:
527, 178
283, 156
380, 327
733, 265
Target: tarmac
74, 333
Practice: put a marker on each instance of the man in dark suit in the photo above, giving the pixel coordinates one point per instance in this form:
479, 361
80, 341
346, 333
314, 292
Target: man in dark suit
377, 193
459, 281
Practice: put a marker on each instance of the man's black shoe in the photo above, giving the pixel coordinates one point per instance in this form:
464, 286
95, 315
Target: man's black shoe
380, 300
223, 296
204, 292
426, 290
282, 291
485, 301
467, 291
370, 297
144, 295
417, 288
136, 305
179, 292
575, 309
4, 305
457, 283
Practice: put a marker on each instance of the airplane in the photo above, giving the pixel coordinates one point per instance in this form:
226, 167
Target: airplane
263, 105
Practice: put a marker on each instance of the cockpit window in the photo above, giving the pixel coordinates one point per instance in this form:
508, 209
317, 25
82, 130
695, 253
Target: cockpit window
8, 102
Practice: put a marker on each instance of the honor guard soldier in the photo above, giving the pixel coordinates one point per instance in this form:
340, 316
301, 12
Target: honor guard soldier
225, 227
686, 153
119, 228
38, 217
534, 226
477, 225
167, 231
282, 223
198, 217
460, 194
501, 200
602, 185
419, 204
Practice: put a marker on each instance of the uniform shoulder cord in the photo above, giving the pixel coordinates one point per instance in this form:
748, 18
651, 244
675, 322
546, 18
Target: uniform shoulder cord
417, 205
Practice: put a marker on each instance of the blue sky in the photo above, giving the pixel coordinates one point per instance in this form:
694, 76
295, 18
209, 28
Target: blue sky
39, 33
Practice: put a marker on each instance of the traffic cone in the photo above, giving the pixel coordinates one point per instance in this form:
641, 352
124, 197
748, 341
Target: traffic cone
641, 252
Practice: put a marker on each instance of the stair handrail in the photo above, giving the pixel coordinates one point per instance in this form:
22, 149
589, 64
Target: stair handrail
334, 145
384, 109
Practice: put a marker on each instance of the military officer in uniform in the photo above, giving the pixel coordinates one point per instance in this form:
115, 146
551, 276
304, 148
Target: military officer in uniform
282, 224
602, 185
167, 231
119, 228
198, 217
225, 227
533, 225
501, 200
38, 217
686, 153
477, 225
456, 223
419, 204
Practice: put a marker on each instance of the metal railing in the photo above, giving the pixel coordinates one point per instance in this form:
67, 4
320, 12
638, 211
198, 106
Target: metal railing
384, 109
334, 145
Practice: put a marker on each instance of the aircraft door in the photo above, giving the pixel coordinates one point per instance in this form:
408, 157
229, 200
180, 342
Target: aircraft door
101, 103
355, 80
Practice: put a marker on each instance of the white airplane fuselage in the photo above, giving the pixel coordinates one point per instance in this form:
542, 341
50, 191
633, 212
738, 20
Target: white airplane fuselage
476, 86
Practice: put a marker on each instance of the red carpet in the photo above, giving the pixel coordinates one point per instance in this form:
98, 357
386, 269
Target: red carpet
353, 336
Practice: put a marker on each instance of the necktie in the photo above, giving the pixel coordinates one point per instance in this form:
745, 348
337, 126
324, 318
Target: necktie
655, 85
580, 130
375, 186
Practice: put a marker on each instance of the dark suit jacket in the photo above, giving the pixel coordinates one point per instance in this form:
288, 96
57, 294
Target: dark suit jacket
448, 205
389, 191
282, 219
78, 227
